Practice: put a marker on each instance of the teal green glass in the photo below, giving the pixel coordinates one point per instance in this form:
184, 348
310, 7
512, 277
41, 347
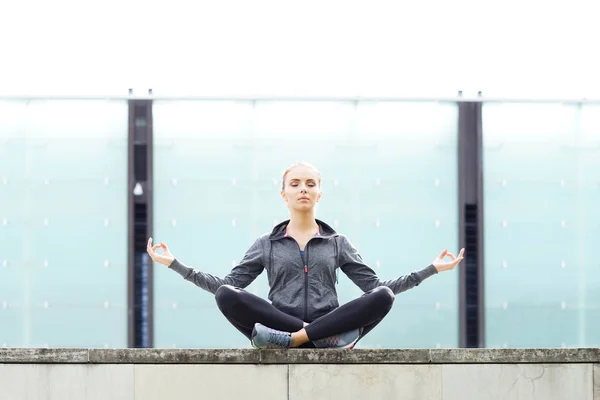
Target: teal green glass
541, 166
63, 223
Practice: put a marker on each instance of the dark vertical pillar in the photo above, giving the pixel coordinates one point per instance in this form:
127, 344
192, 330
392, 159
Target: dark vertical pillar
471, 287
140, 321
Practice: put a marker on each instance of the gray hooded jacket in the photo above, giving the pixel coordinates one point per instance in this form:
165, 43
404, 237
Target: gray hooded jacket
303, 290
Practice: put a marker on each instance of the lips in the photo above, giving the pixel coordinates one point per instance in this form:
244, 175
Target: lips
303, 198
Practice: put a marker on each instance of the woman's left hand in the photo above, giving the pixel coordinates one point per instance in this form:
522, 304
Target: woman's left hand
442, 265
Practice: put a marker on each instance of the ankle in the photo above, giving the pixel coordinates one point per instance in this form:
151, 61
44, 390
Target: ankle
299, 338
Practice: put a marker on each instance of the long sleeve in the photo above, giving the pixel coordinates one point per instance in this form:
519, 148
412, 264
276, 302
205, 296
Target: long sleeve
364, 277
240, 276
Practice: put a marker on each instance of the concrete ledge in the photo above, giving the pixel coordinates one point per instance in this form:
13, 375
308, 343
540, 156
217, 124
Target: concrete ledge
297, 356
174, 356
224, 374
41, 356
515, 356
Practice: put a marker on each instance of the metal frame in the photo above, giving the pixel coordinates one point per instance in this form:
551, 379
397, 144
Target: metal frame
471, 272
140, 137
150, 221
131, 328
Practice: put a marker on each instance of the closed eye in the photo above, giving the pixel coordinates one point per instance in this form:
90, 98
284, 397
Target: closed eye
308, 184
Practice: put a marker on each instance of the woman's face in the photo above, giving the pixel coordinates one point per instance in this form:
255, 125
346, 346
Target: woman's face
302, 190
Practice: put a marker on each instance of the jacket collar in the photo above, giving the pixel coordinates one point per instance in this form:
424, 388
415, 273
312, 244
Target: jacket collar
325, 231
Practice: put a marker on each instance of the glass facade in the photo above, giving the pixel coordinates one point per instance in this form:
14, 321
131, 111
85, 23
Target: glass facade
390, 184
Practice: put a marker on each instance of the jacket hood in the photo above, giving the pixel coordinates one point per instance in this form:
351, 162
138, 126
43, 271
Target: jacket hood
325, 231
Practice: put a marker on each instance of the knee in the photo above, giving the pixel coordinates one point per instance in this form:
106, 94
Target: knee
226, 295
384, 296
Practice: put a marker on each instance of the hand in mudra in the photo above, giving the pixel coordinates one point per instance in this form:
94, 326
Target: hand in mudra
166, 258
442, 265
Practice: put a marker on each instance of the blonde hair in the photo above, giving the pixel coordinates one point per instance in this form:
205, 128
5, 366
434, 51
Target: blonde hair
300, 164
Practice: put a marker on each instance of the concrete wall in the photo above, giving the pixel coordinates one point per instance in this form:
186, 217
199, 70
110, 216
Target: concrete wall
157, 374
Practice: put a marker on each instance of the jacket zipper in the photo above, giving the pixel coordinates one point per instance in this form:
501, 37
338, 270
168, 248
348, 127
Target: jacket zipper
305, 276
306, 285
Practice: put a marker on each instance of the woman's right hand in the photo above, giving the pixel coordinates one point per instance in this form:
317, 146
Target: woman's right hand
166, 258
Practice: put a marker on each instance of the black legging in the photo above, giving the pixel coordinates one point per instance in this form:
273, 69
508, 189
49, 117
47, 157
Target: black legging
244, 309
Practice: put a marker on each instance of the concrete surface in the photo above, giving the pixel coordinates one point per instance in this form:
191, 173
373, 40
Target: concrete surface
66, 382
430, 374
297, 356
518, 381
215, 382
379, 381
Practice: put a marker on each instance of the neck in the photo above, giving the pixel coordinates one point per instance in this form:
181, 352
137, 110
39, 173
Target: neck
300, 222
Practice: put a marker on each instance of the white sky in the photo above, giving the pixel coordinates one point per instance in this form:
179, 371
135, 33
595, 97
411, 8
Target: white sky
514, 48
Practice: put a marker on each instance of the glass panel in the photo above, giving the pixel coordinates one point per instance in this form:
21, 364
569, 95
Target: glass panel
405, 213
541, 173
63, 216
389, 182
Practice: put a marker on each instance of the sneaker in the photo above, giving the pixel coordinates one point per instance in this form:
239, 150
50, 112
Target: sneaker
345, 340
267, 338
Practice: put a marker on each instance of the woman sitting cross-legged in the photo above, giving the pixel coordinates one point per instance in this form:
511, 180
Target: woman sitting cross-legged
301, 256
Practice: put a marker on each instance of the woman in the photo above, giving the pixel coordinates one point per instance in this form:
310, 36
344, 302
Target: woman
301, 256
